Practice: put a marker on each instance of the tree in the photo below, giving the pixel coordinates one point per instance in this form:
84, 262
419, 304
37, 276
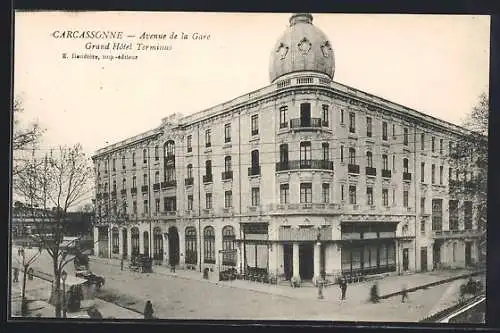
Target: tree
55, 184
469, 161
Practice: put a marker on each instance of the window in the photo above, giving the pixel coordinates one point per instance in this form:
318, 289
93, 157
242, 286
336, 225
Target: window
433, 174
326, 193
190, 171
145, 179
441, 175
352, 122
326, 153
369, 159
352, 156
228, 239
454, 251
145, 206
255, 196
133, 159
209, 245
369, 196
124, 183
255, 124
305, 152
437, 214
342, 192
145, 156
394, 162
208, 168
341, 117
208, 138
114, 164
284, 154
208, 200
453, 214
190, 202
191, 250
467, 215
342, 154
134, 182
169, 173
171, 204
368, 127
157, 205
450, 147
105, 166
422, 141
441, 146
123, 162
284, 193
134, 207
255, 159
227, 133
352, 194
157, 177
433, 147
384, 130
405, 165
283, 117
228, 199
405, 198
385, 162
393, 130
422, 205
157, 154
422, 172
189, 143
227, 164
325, 112
405, 136
305, 192
385, 197
114, 186
393, 196
422, 227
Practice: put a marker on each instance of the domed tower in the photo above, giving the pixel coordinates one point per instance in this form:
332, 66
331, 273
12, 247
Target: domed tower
303, 47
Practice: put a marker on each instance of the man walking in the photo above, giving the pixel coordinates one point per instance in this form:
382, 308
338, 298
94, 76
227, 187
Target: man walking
148, 310
404, 294
121, 264
16, 274
343, 286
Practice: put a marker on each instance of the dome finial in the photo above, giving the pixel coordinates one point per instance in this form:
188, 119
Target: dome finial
301, 17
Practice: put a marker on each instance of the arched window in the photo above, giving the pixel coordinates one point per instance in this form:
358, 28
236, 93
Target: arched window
227, 164
115, 240
229, 254
145, 156
352, 156
369, 159
385, 162
134, 235
169, 149
209, 245
191, 251
405, 165
114, 164
157, 244
145, 236
133, 159
157, 154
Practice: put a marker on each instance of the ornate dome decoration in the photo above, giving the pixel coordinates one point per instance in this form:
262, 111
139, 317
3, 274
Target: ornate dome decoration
303, 47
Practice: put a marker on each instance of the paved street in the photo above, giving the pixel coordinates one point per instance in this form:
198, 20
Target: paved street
189, 298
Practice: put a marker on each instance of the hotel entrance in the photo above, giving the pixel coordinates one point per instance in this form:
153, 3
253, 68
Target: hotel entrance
306, 259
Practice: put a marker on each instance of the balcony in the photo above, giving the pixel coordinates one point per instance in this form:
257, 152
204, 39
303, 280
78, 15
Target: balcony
447, 234
169, 183
207, 179
386, 173
254, 171
299, 123
113, 194
371, 171
308, 164
309, 234
227, 175
133, 190
156, 187
144, 188
123, 192
189, 181
353, 168
407, 176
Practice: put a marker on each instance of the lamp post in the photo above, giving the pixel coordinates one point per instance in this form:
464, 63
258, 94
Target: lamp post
23, 294
320, 282
64, 275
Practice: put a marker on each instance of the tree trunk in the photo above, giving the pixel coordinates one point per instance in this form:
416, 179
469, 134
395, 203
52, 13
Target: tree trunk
24, 304
56, 290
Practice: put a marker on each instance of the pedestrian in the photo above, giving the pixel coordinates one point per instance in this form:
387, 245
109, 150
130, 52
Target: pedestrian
374, 298
121, 264
148, 310
343, 286
30, 273
16, 274
404, 294
172, 268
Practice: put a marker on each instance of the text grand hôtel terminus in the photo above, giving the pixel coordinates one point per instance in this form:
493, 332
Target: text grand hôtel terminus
302, 176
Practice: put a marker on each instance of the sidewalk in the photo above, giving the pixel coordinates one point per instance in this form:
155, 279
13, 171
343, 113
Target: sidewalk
356, 292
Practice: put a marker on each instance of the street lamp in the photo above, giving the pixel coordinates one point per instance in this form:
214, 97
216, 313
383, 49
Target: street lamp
64, 275
320, 282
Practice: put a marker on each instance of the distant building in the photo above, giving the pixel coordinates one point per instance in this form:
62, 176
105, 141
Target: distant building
303, 175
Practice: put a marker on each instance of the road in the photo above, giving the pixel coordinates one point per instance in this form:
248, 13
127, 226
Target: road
176, 298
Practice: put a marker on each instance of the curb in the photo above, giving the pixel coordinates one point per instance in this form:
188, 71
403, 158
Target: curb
448, 311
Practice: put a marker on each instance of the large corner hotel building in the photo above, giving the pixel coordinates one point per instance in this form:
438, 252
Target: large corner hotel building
302, 176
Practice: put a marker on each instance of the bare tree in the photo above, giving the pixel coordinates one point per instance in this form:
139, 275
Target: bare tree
469, 161
56, 184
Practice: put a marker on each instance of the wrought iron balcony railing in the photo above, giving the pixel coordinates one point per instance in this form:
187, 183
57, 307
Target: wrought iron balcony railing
189, 181
123, 192
371, 171
207, 179
307, 164
254, 171
306, 123
226, 175
406, 176
386, 173
353, 168
144, 188
156, 187
133, 190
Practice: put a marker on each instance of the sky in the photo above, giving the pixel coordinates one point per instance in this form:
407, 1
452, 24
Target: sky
436, 64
